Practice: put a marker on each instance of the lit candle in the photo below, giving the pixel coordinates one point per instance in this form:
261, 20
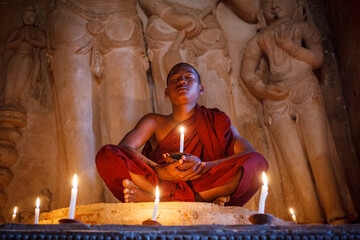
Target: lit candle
182, 130
73, 198
14, 215
293, 215
156, 204
37, 211
264, 193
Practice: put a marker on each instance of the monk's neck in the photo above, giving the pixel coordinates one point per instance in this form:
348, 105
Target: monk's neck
181, 113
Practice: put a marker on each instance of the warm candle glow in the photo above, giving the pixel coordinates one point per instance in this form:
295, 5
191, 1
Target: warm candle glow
75, 181
37, 211
293, 217
182, 130
264, 193
265, 182
38, 203
157, 199
292, 211
13, 217
73, 197
157, 193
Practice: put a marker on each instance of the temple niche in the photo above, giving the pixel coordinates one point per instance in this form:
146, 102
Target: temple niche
98, 66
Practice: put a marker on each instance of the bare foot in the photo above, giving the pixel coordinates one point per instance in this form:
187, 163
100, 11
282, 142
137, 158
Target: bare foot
133, 193
222, 200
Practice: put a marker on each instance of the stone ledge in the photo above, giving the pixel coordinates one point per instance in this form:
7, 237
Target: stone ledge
200, 232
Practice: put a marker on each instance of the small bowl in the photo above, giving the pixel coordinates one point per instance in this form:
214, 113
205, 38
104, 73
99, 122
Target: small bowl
70, 221
261, 219
151, 222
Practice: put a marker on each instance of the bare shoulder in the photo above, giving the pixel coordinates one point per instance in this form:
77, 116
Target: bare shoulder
153, 118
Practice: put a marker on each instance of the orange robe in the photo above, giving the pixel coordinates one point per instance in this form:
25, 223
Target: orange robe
208, 135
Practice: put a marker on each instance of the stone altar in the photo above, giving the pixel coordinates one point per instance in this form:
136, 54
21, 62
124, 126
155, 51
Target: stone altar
169, 214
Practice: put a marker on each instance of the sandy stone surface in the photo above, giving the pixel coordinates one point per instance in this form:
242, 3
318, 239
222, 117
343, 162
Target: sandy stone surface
169, 213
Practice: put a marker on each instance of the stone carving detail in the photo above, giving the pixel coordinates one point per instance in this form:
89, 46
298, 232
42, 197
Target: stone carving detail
22, 61
99, 67
294, 107
189, 31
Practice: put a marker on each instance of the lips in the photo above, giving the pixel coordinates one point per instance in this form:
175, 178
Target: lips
182, 89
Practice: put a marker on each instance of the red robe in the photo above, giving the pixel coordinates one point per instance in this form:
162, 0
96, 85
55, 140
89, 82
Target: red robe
208, 135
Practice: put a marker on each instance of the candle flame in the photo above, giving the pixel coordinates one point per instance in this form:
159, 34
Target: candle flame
38, 203
75, 181
265, 182
157, 193
15, 210
182, 130
292, 211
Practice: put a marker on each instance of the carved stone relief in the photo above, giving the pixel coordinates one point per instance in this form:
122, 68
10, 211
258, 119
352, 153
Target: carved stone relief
99, 66
294, 108
189, 32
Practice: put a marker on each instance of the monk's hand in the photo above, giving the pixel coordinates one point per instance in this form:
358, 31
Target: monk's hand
170, 171
168, 159
188, 161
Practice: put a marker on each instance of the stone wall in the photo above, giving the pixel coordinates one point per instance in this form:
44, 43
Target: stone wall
344, 21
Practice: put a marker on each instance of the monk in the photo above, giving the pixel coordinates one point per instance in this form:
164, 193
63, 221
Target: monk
217, 165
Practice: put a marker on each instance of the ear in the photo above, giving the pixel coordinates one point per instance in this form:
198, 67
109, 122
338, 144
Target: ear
166, 92
201, 89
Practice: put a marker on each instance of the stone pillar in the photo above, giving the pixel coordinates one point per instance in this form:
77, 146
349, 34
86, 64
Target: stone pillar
11, 120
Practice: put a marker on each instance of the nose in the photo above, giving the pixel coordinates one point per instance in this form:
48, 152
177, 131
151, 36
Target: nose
182, 81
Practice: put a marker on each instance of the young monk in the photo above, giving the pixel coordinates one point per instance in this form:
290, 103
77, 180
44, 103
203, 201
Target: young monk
217, 165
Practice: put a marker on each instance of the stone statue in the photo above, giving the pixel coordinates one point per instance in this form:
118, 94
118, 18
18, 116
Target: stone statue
22, 59
293, 104
188, 31
99, 65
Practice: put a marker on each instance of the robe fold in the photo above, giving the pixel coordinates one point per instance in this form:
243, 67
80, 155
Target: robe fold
208, 136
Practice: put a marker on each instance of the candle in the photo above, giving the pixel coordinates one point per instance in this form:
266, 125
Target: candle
264, 193
182, 130
73, 198
293, 215
14, 215
37, 211
156, 204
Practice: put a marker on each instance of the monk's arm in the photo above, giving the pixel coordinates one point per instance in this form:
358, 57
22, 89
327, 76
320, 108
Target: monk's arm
137, 137
241, 147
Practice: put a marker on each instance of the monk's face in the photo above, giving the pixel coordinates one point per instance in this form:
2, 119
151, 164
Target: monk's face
275, 10
184, 86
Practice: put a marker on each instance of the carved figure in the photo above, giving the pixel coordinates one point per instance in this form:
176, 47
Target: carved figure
22, 58
188, 31
293, 104
99, 65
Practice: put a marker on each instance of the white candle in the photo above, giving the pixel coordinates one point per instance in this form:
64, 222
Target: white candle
182, 130
264, 193
14, 215
293, 215
157, 199
37, 211
73, 198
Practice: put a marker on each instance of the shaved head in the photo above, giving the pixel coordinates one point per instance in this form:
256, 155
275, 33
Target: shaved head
182, 66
